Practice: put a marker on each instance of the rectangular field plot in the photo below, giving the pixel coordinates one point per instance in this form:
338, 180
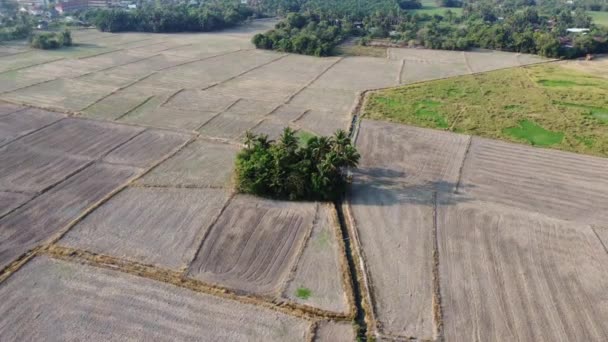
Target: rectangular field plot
277, 80
559, 184
13, 80
406, 158
112, 59
201, 101
486, 60
28, 170
150, 225
202, 74
318, 278
61, 68
11, 200
507, 275
116, 105
48, 213
253, 245
328, 331
324, 122
147, 148
201, 163
15, 125
61, 93
80, 137
360, 73
228, 126
8, 108
167, 117
338, 100
26, 59
146, 66
414, 71
396, 234
55, 300
427, 56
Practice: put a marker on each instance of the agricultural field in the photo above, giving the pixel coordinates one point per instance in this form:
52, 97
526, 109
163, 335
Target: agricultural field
501, 239
547, 105
118, 216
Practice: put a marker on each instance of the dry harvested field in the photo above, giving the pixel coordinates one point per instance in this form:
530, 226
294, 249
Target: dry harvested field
57, 300
502, 241
118, 219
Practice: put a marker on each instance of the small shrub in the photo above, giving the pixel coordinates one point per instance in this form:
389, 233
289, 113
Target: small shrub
286, 169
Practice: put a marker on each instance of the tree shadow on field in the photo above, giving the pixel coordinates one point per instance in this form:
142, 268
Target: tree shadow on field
385, 187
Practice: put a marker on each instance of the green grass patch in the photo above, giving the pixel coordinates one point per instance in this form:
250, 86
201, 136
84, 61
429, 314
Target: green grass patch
303, 293
534, 134
304, 136
596, 112
600, 18
430, 7
543, 105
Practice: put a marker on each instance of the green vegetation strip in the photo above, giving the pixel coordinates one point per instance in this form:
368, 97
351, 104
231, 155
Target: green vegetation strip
543, 105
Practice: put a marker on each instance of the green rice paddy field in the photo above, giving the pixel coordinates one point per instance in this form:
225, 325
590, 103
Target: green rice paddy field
544, 105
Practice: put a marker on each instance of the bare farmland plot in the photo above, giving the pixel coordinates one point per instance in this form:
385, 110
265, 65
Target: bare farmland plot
228, 126
336, 100
56, 300
404, 157
111, 59
335, 332
205, 45
80, 137
25, 59
511, 275
160, 226
430, 70
426, 56
8, 108
324, 122
146, 66
391, 204
200, 101
48, 213
60, 93
254, 244
61, 68
11, 200
360, 73
170, 118
15, 125
201, 163
28, 170
559, 184
13, 80
319, 271
486, 60
597, 67
211, 71
278, 80
147, 148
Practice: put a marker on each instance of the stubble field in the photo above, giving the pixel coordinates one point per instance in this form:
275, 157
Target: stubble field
116, 198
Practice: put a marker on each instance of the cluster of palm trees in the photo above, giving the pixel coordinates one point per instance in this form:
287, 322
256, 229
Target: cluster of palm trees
289, 169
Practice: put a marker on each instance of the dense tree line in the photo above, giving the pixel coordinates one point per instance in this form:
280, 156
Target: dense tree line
305, 33
13, 24
509, 25
287, 170
173, 18
50, 40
